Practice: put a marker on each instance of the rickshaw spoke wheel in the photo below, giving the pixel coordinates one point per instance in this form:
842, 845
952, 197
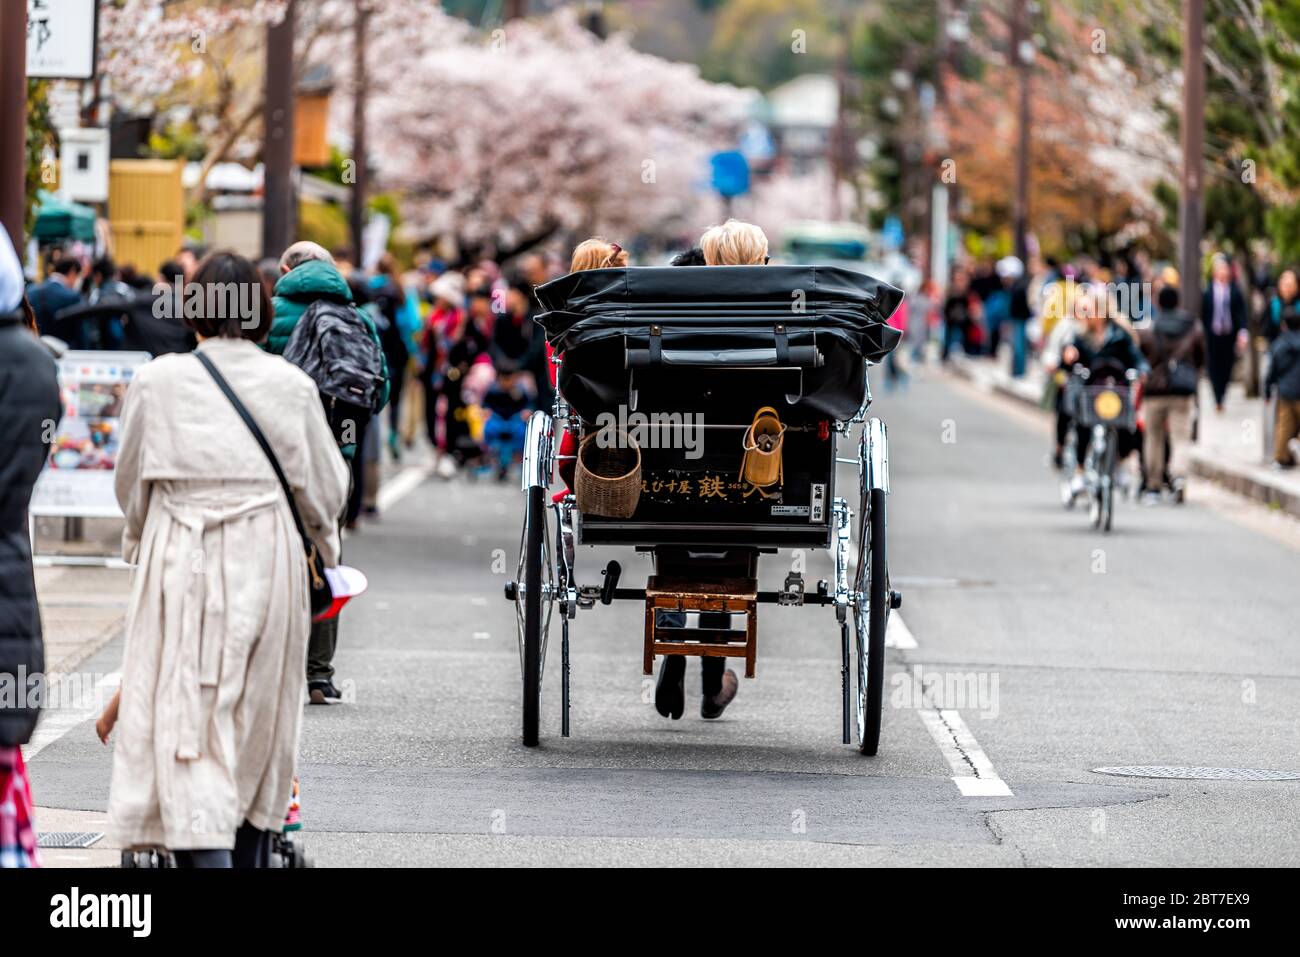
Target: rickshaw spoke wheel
871, 618
534, 595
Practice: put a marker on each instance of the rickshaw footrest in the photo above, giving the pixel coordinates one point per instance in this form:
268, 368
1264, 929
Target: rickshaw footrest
730, 596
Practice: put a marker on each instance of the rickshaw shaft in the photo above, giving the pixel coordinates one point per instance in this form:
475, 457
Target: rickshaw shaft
763, 597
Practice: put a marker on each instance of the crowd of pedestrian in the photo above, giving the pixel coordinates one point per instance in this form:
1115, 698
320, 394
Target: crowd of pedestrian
1056, 312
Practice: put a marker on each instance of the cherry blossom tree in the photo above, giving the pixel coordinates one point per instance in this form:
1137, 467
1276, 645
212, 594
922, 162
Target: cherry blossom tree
147, 48
199, 61
505, 137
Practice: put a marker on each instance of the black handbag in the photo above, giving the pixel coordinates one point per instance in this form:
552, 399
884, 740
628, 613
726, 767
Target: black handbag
318, 585
1181, 376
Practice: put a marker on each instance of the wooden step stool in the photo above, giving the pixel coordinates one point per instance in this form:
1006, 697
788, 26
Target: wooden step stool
683, 595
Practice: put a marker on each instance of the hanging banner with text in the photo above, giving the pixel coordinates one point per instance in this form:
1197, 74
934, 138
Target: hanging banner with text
61, 39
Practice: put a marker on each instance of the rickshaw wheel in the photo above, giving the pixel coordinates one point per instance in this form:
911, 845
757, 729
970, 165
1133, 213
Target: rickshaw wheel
533, 612
871, 622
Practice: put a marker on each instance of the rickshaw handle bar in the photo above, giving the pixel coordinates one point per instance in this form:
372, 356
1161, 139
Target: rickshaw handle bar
763, 597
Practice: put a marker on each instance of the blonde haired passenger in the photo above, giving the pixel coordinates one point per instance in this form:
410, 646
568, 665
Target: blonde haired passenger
734, 244
597, 253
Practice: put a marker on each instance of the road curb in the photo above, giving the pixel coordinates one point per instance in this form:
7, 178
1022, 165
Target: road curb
1254, 487
1244, 480
1024, 394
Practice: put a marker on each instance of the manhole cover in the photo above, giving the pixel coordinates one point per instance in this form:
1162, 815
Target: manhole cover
68, 838
1200, 774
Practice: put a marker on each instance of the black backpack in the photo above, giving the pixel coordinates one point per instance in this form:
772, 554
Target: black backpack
332, 343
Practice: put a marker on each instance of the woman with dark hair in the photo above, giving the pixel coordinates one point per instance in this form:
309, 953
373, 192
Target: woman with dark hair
217, 626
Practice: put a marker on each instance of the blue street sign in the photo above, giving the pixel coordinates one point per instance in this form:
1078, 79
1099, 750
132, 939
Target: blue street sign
730, 173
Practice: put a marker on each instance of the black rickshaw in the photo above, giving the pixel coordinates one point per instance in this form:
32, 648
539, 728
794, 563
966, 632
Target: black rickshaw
724, 350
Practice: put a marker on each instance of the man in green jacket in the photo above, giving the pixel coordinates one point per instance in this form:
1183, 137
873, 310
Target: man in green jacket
308, 273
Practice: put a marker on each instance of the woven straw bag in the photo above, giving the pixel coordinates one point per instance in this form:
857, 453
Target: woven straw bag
762, 465
608, 479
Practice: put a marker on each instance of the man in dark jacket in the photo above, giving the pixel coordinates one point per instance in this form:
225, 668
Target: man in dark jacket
58, 291
1223, 314
1284, 376
1174, 345
29, 395
151, 320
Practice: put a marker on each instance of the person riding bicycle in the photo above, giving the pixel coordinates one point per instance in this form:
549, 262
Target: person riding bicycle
1108, 351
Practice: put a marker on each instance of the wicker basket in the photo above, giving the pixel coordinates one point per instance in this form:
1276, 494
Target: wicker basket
609, 478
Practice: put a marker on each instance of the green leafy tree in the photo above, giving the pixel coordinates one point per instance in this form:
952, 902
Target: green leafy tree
1249, 150
896, 53
764, 43
1283, 219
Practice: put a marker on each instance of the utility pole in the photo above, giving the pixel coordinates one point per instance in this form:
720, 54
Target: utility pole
279, 201
13, 119
839, 132
359, 90
936, 206
593, 18
1191, 208
1021, 59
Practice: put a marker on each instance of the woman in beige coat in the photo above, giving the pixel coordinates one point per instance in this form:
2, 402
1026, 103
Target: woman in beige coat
216, 631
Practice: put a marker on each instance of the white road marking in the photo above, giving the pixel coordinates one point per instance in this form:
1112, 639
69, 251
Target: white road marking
401, 485
897, 634
973, 773
84, 706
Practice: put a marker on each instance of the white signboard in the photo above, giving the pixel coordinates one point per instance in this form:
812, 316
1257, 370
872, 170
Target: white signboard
78, 477
61, 38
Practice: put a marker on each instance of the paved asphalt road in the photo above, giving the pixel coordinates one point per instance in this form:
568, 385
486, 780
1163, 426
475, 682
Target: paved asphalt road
1172, 641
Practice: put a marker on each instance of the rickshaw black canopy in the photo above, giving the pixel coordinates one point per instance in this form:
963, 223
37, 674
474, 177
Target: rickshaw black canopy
820, 320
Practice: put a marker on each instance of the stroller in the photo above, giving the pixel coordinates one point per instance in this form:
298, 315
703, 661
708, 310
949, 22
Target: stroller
284, 853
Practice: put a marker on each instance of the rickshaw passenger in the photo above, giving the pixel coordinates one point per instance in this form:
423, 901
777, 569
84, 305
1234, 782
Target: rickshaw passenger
732, 244
594, 253
597, 253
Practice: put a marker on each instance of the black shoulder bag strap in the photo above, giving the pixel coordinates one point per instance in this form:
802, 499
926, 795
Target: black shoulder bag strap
320, 593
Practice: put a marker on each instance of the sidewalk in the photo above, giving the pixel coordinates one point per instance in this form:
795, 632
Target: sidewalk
82, 609
1232, 448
